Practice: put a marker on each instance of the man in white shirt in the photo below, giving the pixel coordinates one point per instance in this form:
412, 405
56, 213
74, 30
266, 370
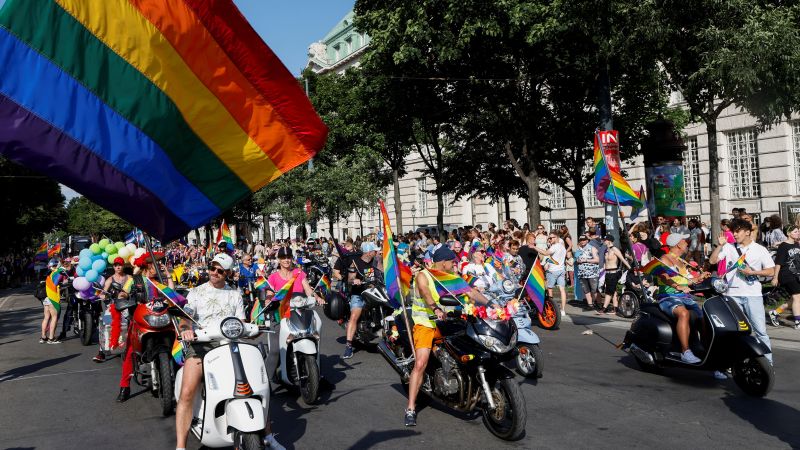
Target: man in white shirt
744, 286
555, 258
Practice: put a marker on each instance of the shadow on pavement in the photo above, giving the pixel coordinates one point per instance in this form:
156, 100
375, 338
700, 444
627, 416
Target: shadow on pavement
33, 368
19, 321
10, 342
380, 437
768, 416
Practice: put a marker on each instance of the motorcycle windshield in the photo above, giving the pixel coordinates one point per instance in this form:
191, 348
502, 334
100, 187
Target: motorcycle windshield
301, 319
501, 329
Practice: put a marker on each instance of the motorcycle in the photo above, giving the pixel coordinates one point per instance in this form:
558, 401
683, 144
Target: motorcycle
231, 408
370, 325
86, 313
529, 358
729, 343
315, 267
153, 338
465, 371
299, 348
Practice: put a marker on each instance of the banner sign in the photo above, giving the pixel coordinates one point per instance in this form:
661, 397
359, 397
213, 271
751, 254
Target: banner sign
665, 190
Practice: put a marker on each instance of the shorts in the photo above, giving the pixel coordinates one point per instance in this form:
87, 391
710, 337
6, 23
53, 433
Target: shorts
198, 350
612, 278
424, 336
555, 279
356, 302
668, 304
792, 286
589, 285
46, 302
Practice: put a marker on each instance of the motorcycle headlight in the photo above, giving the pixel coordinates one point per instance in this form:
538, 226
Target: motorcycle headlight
719, 285
508, 286
495, 345
157, 321
232, 328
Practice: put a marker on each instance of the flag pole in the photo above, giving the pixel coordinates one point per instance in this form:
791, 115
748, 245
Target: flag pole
519, 296
385, 215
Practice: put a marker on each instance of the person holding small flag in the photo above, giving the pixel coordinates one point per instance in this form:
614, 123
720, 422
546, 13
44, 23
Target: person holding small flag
556, 271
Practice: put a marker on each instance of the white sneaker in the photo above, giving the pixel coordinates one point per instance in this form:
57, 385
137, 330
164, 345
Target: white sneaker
720, 375
563, 313
689, 358
271, 443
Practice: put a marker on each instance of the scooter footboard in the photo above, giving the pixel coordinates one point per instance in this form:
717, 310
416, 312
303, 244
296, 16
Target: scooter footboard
245, 414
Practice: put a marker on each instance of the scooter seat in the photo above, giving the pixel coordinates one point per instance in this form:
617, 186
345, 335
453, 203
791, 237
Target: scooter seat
655, 311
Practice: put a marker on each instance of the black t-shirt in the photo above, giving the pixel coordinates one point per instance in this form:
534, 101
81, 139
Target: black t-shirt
528, 256
363, 271
788, 257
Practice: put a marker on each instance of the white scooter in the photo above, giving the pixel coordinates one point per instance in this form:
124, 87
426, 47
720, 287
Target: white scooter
299, 348
232, 409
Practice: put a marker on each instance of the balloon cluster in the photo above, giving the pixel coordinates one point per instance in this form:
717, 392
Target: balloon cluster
493, 312
94, 260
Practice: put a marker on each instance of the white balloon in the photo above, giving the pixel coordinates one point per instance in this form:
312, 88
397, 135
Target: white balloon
124, 252
131, 247
139, 252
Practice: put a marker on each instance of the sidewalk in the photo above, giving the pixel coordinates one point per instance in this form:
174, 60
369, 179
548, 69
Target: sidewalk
783, 337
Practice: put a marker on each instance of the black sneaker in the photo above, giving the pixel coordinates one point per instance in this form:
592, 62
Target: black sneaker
100, 357
411, 418
54, 341
43, 340
124, 394
348, 352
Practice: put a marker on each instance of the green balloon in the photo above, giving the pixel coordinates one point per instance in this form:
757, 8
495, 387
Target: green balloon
103, 242
95, 248
111, 258
119, 244
111, 249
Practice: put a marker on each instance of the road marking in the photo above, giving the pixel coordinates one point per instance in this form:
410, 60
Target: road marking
3, 302
7, 378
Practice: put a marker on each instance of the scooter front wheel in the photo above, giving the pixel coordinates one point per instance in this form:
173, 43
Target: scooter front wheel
249, 441
754, 376
309, 387
529, 360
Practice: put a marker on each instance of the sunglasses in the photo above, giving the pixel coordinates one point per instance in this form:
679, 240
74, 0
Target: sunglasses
219, 270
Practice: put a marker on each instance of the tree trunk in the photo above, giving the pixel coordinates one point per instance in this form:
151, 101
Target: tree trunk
361, 222
267, 231
507, 204
534, 211
440, 211
713, 179
330, 226
398, 205
580, 208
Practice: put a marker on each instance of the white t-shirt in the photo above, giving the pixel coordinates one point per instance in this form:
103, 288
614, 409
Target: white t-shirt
757, 258
484, 277
559, 255
211, 305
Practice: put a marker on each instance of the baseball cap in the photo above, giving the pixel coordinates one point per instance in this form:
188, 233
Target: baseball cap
285, 252
443, 253
119, 260
674, 238
224, 261
583, 237
368, 247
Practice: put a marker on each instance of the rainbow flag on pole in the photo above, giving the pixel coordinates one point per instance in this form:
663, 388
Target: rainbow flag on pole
41, 253
51, 289
324, 285
177, 352
54, 250
393, 276
284, 297
449, 283
166, 113
609, 184
224, 234
534, 284
261, 283
166, 291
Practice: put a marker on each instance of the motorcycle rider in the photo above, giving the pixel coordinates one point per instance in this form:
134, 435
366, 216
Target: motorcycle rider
744, 286
120, 278
248, 272
361, 269
425, 305
144, 266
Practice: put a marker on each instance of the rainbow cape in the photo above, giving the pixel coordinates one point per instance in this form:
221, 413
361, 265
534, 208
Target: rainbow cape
261, 283
324, 285
177, 352
609, 184
283, 296
449, 283
51, 289
41, 253
534, 285
54, 250
397, 281
166, 113
165, 290
224, 234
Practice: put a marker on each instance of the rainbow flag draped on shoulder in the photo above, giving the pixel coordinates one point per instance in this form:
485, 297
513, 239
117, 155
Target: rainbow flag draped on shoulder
609, 184
449, 283
166, 113
52, 290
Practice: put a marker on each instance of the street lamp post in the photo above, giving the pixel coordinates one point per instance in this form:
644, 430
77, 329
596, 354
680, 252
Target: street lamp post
414, 217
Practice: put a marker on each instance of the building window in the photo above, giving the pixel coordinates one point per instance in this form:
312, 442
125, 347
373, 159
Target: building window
691, 171
558, 198
422, 197
555, 225
743, 164
348, 45
589, 199
796, 151
336, 53
448, 204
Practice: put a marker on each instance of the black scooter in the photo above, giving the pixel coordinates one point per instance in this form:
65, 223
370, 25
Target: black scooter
728, 342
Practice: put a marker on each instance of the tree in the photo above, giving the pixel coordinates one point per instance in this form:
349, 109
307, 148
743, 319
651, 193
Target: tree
87, 218
723, 53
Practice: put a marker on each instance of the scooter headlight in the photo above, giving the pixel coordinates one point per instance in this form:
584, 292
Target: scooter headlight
495, 345
157, 321
508, 286
719, 285
232, 328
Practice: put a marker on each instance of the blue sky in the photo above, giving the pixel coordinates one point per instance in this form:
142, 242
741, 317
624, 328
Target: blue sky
288, 27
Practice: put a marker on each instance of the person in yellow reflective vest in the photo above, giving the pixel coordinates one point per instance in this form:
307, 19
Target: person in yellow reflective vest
425, 305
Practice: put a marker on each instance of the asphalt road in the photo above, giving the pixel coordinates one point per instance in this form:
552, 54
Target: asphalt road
591, 396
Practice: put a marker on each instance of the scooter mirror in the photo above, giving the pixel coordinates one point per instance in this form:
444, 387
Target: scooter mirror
449, 301
719, 285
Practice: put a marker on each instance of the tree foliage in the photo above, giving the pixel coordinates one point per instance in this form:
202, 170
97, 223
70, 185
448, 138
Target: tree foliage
89, 219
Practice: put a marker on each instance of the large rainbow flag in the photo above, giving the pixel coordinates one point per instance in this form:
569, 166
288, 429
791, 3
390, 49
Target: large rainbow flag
609, 184
534, 285
283, 296
165, 112
449, 283
395, 279
51, 289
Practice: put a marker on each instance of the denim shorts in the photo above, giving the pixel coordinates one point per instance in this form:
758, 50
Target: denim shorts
556, 279
356, 302
667, 304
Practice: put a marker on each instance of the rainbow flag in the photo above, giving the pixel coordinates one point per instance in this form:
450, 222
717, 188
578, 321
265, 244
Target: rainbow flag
261, 283
54, 250
324, 285
255, 313
534, 285
51, 289
391, 267
738, 265
41, 253
470, 279
284, 297
636, 211
609, 184
224, 234
166, 291
128, 285
166, 113
449, 283
177, 352
656, 268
